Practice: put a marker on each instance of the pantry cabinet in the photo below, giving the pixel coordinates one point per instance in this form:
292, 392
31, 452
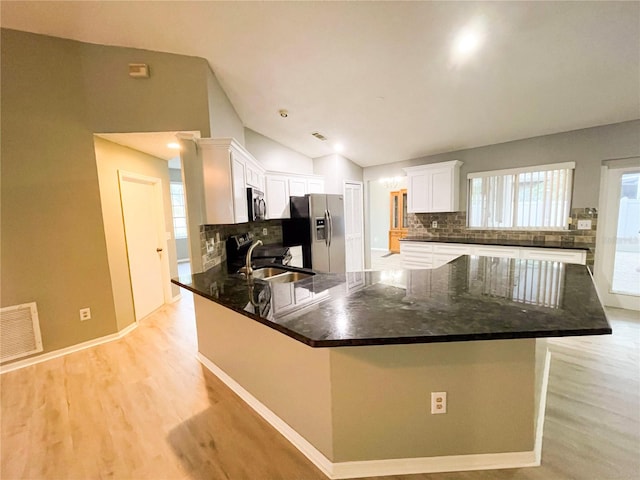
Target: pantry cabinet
434, 187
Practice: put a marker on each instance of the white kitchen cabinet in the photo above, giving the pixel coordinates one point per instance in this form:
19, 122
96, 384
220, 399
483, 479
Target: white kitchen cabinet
277, 196
556, 254
281, 186
255, 177
297, 187
434, 187
227, 170
434, 254
315, 185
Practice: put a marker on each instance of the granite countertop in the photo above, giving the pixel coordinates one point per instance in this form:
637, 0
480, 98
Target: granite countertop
500, 242
470, 298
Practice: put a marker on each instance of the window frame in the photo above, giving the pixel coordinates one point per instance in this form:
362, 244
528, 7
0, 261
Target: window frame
184, 206
516, 172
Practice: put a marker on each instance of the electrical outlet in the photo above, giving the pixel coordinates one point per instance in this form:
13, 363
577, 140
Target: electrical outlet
584, 224
438, 402
85, 314
434, 224
265, 231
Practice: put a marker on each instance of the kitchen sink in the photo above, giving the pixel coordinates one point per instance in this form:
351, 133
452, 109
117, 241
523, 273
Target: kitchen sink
279, 275
288, 277
268, 272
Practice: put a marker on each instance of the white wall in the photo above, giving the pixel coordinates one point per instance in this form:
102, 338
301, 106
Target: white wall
276, 157
336, 169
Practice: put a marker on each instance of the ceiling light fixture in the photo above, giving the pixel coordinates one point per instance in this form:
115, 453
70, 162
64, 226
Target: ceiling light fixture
468, 41
283, 113
173, 146
338, 147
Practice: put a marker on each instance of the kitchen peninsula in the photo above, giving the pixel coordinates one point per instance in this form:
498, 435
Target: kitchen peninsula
344, 364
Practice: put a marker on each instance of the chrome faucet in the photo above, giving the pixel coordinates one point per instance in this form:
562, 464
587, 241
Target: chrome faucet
248, 270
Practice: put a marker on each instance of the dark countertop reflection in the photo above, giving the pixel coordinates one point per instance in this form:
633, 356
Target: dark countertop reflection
470, 298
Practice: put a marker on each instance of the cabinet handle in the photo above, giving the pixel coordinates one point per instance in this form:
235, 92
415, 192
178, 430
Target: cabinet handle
158, 250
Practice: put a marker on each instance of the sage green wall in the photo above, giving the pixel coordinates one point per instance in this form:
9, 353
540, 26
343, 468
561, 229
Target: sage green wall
587, 147
223, 118
373, 402
276, 157
112, 158
55, 94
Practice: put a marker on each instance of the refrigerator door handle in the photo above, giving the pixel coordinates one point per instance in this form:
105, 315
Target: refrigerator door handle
326, 227
330, 228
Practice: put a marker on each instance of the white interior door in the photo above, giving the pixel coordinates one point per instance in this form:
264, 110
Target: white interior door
354, 226
146, 250
617, 266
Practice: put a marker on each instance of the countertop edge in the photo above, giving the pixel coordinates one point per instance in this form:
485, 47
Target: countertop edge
314, 343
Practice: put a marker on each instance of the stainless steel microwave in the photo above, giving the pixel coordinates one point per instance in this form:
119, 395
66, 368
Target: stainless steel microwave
256, 205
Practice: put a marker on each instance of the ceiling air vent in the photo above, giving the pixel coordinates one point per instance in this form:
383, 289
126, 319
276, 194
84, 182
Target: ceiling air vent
319, 136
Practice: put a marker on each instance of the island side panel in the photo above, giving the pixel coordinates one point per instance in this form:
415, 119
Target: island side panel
288, 377
381, 399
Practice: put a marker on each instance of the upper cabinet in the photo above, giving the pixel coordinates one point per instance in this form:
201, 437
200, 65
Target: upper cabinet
434, 187
227, 170
281, 186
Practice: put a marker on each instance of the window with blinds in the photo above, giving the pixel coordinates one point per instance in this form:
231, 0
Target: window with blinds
178, 209
521, 198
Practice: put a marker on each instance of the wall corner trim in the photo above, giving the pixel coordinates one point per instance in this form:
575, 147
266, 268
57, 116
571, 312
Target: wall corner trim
67, 350
372, 468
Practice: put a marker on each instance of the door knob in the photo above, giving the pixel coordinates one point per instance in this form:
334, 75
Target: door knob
158, 250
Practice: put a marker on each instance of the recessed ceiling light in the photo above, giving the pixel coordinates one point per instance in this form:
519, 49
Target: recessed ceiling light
338, 147
283, 113
468, 40
173, 146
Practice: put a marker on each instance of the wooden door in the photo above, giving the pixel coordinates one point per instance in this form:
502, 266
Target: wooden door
398, 219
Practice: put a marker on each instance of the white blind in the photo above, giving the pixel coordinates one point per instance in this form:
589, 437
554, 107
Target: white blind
179, 210
521, 199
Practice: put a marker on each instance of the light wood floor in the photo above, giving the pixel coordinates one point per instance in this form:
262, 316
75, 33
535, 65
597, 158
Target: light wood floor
144, 408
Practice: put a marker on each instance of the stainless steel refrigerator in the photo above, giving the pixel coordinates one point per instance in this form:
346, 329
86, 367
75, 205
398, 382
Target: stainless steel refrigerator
317, 223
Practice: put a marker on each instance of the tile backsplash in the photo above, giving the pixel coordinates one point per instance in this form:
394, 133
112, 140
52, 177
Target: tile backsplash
213, 238
453, 225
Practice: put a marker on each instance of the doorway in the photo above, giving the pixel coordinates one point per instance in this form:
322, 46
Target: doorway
354, 226
617, 266
144, 226
398, 225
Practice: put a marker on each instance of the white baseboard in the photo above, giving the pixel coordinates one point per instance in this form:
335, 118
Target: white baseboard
67, 350
371, 468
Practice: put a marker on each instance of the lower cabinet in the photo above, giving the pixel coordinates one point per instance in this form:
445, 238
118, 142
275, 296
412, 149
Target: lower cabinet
433, 255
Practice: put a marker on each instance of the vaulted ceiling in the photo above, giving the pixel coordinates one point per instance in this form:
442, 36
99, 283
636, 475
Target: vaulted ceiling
383, 78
